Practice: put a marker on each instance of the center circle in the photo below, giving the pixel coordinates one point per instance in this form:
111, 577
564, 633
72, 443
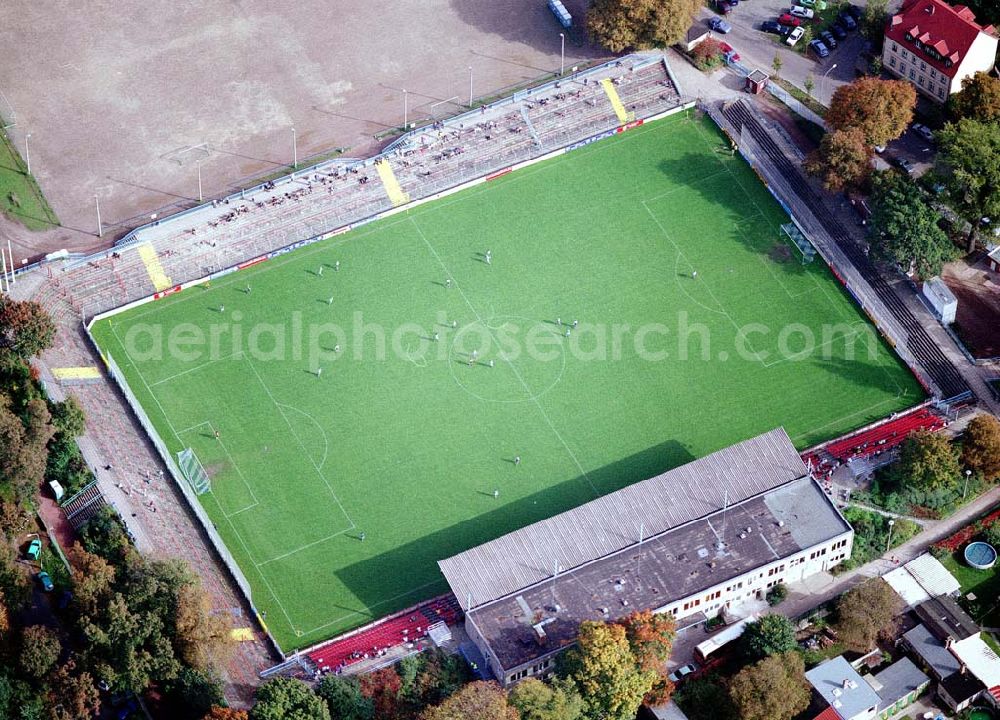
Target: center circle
529, 358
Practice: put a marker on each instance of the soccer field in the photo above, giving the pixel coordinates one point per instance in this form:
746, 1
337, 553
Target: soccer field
353, 438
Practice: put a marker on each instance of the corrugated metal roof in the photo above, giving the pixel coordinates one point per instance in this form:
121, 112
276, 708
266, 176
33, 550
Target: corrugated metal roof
906, 586
932, 575
610, 523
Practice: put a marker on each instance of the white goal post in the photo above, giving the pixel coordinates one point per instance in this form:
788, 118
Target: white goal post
193, 471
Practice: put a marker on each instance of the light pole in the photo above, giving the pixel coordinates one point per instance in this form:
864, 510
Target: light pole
823, 79
562, 53
406, 111
27, 152
100, 228
470, 86
968, 474
888, 540
201, 198
295, 150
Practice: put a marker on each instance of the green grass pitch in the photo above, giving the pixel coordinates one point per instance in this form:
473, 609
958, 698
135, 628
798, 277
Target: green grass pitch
409, 445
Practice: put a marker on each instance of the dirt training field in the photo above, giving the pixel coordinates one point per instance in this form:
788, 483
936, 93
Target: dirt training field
124, 102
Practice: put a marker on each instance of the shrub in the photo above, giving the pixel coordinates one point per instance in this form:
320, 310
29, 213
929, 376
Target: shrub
707, 54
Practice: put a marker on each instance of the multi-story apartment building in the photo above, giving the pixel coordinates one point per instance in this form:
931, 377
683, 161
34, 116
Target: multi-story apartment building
935, 46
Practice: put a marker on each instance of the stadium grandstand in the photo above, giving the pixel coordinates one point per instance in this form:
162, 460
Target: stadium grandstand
703, 538
329, 198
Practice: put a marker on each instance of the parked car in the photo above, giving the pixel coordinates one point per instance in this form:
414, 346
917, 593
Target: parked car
34, 549
854, 11
729, 52
819, 48
794, 36
791, 20
827, 37
802, 12
839, 31
725, 8
45, 581
849, 23
924, 132
681, 672
905, 165
771, 26
719, 25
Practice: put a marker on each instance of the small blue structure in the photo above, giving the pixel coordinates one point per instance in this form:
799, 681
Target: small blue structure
980, 555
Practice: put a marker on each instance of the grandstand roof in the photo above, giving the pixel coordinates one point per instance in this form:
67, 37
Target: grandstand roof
677, 564
612, 523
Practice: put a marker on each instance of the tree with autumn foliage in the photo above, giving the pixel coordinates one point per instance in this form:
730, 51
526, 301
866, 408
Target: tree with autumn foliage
979, 98
480, 700
773, 689
928, 462
866, 613
621, 25
881, 109
225, 713
607, 673
842, 160
382, 687
72, 694
651, 637
25, 329
981, 446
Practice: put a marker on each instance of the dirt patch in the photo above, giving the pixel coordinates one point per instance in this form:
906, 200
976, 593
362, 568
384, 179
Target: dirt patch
780, 253
977, 321
126, 106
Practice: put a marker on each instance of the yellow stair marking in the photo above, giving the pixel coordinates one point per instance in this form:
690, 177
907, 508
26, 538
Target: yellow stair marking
616, 102
152, 262
243, 634
76, 373
391, 184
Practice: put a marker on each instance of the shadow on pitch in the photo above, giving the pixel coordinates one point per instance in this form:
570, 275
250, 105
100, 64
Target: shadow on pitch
414, 564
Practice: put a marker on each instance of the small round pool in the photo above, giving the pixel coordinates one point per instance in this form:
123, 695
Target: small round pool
980, 715
980, 555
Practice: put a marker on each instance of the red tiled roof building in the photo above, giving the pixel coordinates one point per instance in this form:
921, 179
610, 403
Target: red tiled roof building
935, 46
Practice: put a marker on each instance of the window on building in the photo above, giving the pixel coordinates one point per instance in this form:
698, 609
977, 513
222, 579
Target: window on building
912, 74
892, 62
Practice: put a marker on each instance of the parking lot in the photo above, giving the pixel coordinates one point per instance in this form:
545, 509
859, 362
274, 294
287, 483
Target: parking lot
758, 48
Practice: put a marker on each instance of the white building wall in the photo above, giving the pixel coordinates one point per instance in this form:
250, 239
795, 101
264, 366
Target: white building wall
980, 58
907, 63
755, 583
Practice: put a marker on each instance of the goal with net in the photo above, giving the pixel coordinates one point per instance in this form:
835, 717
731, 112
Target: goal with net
193, 471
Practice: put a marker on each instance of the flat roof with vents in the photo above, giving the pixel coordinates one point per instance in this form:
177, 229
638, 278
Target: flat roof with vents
788, 513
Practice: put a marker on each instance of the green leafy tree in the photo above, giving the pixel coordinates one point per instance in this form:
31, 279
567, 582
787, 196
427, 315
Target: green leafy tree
928, 462
288, 699
606, 672
873, 20
705, 698
556, 700
777, 594
882, 109
104, 535
40, 649
842, 160
979, 98
773, 689
68, 417
619, 25
904, 226
866, 613
809, 84
981, 446
193, 693
25, 329
480, 700
343, 697
969, 160
776, 64
769, 635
